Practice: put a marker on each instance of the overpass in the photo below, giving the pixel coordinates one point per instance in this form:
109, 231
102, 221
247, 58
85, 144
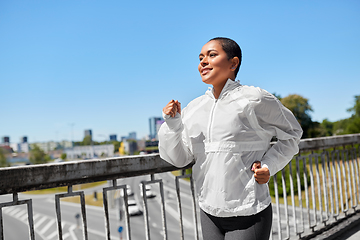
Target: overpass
316, 196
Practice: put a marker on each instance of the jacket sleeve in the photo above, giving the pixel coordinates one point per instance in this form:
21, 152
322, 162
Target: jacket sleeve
276, 119
173, 142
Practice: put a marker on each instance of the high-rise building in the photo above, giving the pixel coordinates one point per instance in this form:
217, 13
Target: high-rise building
6, 140
24, 139
88, 133
132, 135
158, 125
153, 127
113, 137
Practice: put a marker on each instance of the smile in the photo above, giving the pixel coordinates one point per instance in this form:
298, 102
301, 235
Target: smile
204, 71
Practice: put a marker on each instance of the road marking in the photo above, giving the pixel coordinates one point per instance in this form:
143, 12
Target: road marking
13, 211
50, 223
36, 216
66, 235
52, 235
37, 224
22, 212
100, 233
175, 214
24, 218
71, 231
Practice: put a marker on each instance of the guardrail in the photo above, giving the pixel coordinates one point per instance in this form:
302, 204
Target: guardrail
323, 184
320, 187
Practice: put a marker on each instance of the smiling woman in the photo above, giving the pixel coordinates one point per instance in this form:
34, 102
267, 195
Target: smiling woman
216, 65
228, 132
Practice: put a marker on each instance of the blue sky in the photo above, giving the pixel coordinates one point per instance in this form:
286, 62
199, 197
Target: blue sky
67, 66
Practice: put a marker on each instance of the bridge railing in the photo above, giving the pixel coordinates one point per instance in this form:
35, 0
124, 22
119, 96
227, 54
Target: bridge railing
317, 189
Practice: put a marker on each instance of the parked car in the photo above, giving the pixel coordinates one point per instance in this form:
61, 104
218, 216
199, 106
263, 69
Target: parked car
149, 193
134, 209
128, 191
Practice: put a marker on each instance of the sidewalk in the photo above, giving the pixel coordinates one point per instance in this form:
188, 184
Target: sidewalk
348, 229
352, 234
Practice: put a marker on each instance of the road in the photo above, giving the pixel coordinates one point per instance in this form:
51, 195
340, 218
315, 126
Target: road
45, 222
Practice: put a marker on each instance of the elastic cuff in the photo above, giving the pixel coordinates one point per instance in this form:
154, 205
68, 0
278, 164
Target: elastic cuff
165, 116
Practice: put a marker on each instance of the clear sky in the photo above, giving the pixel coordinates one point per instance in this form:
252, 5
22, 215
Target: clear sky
67, 66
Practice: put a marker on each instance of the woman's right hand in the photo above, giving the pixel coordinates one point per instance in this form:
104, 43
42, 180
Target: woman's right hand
172, 108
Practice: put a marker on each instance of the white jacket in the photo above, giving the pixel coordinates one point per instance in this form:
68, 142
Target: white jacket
225, 136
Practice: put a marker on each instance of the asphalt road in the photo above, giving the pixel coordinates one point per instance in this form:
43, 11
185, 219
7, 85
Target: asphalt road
45, 222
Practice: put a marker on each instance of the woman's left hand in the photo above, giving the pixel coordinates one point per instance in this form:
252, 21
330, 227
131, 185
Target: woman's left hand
261, 174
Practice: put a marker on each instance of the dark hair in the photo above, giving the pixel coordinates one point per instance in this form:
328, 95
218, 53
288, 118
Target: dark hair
231, 48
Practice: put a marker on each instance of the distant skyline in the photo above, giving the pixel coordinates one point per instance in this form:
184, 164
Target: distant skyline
68, 66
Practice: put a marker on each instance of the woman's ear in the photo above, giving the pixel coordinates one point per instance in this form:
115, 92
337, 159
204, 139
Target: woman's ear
234, 63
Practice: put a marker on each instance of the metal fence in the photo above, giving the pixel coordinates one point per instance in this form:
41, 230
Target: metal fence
317, 189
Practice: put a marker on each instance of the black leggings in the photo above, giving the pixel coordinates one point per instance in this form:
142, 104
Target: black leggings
254, 227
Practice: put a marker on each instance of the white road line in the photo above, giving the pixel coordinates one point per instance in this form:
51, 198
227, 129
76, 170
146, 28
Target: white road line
100, 233
24, 218
7, 210
13, 211
174, 194
175, 214
66, 235
71, 231
38, 223
22, 212
50, 223
52, 235
36, 216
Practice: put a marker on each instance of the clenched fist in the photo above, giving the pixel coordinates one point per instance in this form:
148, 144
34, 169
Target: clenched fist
261, 174
172, 108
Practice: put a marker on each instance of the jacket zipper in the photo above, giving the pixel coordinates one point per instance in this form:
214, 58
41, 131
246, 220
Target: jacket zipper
211, 120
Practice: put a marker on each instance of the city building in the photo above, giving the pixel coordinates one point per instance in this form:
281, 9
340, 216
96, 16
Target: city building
152, 146
132, 135
123, 138
20, 147
46, 146
6, 141
128, 147
24, 139
88, 133
66, 144
158, 125
113, 137
154, 124
89, 152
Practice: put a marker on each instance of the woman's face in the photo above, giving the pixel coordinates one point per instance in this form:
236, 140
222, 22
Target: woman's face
215, 67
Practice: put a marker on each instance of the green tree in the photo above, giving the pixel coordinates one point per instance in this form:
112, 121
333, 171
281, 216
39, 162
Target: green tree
116, 146
87, 140
301, 109
37, 156
3, 161
340, 126
316, 130
328, 127
63, 156
353, 125
356, 108
278, 96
